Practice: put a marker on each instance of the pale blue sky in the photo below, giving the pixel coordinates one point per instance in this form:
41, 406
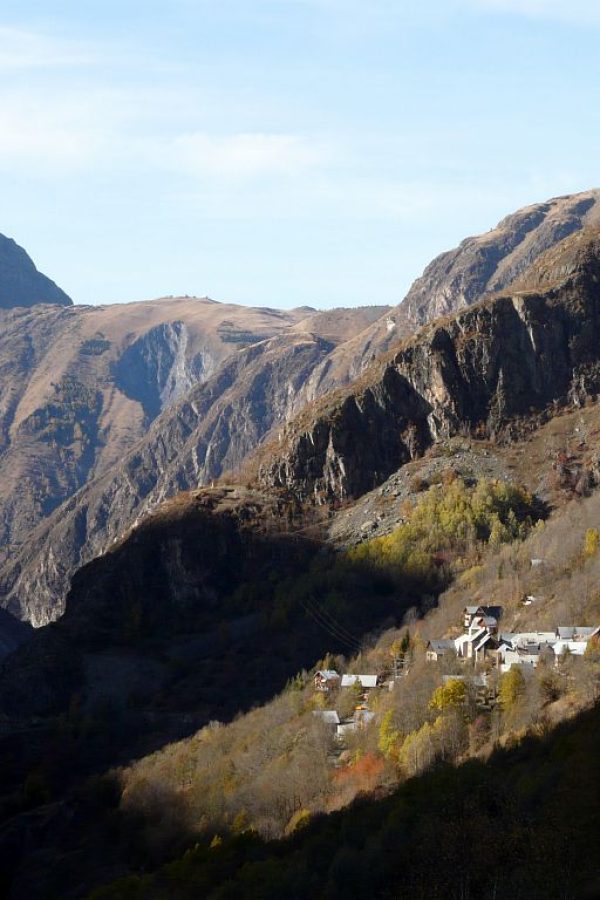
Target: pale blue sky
283, 152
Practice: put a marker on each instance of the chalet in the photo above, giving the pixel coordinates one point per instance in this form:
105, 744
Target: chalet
485, 647
523, 638
526, 655
472, 612
464, 644
366, 681
436, 649
326, 680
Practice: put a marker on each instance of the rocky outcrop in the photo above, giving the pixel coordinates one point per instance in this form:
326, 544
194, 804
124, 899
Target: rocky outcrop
456, 279
488, 263
20, 282
478, 372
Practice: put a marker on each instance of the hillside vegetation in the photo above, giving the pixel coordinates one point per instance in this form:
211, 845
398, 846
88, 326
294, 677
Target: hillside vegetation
273, 773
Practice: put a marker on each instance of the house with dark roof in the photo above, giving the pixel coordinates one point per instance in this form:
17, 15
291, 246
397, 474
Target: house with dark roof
438, 648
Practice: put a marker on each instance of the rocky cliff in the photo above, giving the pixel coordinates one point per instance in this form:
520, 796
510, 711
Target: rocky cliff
488, 263
478, 372
20, 282
458, 278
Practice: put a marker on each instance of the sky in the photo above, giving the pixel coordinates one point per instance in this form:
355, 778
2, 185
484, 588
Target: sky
284, 152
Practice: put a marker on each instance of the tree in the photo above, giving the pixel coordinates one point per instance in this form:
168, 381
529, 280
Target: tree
592, 539
512, 688
389, 736
452, 694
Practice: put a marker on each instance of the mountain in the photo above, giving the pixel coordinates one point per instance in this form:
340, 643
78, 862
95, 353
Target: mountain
495, 372
488, 263
214, 427
224, 597
457, 278
20, 282
109, 410
489, 371
95, 441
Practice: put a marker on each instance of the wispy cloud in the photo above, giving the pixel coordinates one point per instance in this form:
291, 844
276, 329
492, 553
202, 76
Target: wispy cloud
243, 155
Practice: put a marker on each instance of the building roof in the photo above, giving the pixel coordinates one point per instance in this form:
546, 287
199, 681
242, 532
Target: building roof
440, 646
345, 727
484, 640
572, 632
577, 648
522, 638
495, 611
469, 637
479, 680
327, 674
367, 681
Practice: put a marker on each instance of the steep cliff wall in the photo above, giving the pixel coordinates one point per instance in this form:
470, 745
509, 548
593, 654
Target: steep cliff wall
478, 372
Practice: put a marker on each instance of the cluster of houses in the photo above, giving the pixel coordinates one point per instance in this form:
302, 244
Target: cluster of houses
483, 641
327, 680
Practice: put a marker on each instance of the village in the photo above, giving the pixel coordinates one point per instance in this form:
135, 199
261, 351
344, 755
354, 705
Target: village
483, 650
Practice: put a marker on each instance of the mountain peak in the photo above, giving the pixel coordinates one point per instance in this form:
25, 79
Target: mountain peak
20, 282
487, 263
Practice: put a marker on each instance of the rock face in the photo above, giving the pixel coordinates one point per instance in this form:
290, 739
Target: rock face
79, 386
459, 278
478, 372
233, 389
20, 282
488, 263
